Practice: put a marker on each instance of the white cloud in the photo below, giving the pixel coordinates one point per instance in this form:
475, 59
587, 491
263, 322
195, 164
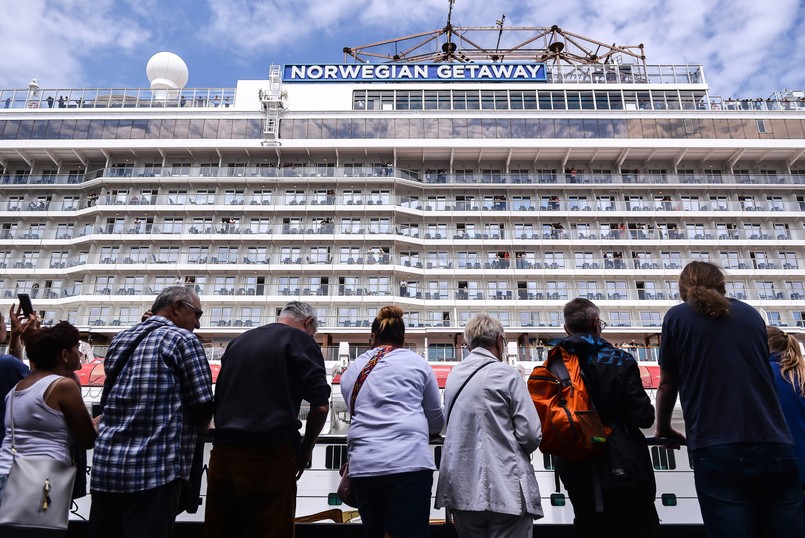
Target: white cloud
50, 39
744, 45
748, 48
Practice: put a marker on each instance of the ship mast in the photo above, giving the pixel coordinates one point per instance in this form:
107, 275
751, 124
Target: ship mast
547, 44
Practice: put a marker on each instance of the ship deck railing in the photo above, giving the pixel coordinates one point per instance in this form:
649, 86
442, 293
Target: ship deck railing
431, 176
72, 99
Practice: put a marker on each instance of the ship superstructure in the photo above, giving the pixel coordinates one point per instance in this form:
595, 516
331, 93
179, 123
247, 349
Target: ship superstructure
448, 187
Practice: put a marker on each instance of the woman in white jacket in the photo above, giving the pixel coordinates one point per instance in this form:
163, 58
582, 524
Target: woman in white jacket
485, 477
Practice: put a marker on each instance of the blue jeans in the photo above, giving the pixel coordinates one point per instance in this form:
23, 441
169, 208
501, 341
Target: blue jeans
749, 490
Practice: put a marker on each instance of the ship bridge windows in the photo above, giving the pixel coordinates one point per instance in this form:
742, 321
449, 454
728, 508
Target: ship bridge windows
523, 100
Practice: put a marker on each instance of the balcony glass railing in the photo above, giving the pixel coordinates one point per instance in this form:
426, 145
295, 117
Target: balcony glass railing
412, 294
72, 99
241, 175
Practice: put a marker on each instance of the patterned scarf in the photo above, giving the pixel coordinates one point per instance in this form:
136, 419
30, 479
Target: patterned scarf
364, 374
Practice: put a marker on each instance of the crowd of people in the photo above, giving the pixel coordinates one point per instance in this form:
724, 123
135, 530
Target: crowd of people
741, 384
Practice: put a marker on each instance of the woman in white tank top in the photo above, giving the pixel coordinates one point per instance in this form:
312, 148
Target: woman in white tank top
49, 412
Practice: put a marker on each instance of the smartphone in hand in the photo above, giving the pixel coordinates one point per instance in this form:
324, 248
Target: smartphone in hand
25, 304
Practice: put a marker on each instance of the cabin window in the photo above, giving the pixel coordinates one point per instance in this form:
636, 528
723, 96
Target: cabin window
663, 459
335, 456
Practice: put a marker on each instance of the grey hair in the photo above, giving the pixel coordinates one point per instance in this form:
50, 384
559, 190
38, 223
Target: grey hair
298, 311
170, 295
482, 330
579, 315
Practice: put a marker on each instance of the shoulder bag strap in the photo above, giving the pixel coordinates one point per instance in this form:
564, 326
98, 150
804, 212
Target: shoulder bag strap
450, 410
363, 375
11, 414
110, 381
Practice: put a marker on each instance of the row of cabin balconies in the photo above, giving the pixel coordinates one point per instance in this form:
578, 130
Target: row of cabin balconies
435, 173
332, 317
319, 232
510, 202
407, 291
244, 258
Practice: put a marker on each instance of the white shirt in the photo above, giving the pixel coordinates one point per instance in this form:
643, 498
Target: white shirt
396, 411
491, 432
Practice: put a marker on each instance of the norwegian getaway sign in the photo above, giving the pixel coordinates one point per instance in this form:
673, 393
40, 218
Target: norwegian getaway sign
415, 73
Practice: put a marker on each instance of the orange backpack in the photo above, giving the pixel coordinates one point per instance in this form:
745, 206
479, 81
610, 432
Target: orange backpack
571, 427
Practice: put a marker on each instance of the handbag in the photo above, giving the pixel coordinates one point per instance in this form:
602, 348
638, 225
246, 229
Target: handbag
345, 492
38, 494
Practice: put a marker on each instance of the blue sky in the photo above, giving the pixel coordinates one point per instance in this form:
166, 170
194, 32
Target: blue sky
748, 48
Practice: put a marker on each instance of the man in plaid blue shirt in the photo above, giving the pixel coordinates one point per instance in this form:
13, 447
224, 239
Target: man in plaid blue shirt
151, 417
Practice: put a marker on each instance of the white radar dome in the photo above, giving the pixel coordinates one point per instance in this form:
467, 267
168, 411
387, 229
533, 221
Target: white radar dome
166, 71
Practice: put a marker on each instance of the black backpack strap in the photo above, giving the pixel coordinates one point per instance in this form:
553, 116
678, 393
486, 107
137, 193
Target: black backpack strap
450, 410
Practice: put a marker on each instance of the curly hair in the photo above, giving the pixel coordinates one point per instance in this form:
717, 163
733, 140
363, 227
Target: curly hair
389, 327
44, 345
702, 286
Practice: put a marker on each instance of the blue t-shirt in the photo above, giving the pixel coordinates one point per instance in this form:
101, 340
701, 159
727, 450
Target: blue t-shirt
12, 370
793, 409
725, 380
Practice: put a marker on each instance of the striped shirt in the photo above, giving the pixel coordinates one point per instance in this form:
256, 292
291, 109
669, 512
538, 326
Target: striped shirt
146, 438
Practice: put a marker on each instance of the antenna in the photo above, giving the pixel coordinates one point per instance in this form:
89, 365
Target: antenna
499, 24
450, 10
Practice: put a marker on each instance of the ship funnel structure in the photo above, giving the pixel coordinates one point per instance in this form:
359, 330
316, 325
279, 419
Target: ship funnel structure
167, 73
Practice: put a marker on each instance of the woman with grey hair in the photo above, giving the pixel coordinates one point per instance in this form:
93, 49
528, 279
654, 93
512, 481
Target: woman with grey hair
485, 477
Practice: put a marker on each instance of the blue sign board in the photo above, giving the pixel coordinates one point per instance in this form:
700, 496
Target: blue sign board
441, 72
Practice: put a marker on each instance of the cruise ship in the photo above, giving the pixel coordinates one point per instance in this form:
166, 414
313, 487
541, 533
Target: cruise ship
436, 171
